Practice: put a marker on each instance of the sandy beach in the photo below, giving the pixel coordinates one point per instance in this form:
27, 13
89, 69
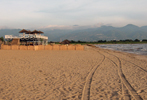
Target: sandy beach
92, 74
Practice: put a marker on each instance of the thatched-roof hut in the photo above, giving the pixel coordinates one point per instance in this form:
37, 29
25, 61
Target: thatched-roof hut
65, 42
28, 32
23, 31
40, 32
36, 32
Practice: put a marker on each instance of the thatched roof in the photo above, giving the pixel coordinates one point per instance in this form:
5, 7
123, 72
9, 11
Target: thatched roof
36, 32
65, 42
29, 32
40, 32
23, 31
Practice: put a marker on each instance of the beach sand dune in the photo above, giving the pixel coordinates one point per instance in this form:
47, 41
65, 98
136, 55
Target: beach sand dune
71, 75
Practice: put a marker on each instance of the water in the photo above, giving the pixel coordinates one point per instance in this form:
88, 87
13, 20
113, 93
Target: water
130, 48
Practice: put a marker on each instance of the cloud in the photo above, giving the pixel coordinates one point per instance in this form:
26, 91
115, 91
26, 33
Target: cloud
71, 26
38, 13
4, 27
75, 25
56, 27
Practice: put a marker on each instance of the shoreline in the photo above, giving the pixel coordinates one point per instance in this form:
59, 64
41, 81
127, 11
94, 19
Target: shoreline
131, 52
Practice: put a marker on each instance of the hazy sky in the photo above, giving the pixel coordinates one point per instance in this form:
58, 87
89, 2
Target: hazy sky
62, 13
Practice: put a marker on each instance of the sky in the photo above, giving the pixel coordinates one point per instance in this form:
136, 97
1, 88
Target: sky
71, 13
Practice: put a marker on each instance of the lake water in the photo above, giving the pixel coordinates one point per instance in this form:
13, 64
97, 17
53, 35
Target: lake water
130, 48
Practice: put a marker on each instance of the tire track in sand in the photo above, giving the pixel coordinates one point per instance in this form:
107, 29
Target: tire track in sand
86, 89
135, 65
125, 84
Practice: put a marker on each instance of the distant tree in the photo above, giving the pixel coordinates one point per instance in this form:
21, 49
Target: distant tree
121, 40
1, 38
101, 41
51, 42
79, 41
136, 40
83, 41
144, 40
72, 41
113, 40
128, 40
104, 41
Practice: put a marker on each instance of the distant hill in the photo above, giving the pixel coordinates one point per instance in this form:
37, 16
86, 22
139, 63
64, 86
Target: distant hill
4, 32
129, 31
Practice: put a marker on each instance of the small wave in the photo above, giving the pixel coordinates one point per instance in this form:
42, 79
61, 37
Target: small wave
130, 48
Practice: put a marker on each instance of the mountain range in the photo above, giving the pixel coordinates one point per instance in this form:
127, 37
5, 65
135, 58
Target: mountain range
129, 31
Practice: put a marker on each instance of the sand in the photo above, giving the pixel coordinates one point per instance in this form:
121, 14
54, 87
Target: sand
92, 74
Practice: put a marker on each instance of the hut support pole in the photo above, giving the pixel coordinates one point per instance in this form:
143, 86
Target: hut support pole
23, 35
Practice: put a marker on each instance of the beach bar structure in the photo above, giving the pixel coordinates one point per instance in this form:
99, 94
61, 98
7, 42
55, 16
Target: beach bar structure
28, 37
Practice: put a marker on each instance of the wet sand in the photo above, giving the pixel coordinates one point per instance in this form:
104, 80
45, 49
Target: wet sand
91, 74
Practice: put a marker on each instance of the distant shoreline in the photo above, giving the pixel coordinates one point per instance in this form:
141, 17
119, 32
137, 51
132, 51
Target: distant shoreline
139, 49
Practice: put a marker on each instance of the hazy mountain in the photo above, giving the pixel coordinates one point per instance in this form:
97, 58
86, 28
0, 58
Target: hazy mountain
4, 32
129, 31
144, 28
